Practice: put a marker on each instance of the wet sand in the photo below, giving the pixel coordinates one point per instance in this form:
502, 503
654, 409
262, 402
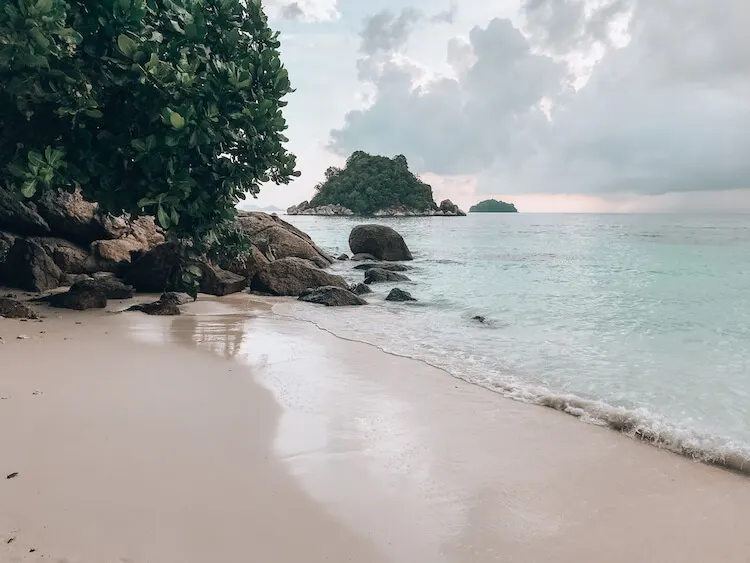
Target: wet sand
230, 434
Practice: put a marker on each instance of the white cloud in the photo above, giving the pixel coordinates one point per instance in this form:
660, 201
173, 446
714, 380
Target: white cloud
302, 10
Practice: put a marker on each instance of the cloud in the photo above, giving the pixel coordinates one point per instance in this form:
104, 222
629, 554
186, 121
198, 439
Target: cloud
667, 108
302, 10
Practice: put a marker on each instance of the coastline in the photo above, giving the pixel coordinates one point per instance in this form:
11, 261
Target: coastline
230, 433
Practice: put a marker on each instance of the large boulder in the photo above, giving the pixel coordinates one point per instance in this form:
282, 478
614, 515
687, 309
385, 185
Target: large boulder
383, 242
13, 309
247, 265
450, 209
215, 281
115, 251
291, 276
156, 270
17, 217
331, 296
277, 239
112, 288
379, 275
397, 294
72, 217
27, 266
360, 289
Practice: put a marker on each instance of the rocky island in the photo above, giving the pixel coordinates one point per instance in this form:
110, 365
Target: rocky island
374, 186
493, 206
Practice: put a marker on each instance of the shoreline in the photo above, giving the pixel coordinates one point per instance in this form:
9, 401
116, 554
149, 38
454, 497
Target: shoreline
362, 455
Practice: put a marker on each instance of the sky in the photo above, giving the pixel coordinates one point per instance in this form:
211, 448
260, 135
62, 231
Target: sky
556, 105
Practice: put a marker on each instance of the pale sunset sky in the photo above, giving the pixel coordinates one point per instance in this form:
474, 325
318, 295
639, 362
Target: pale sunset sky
556, 105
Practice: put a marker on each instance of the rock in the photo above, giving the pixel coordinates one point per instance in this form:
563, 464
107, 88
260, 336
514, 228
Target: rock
449, 208
360, 289
277, 239
112, 288
156, 270
379, 240
176, 298
13, 309
6, 243
72, 217
397, 294
248, 265
479, 318
343, 257
216, 281
68, 280
332, 297
361, 257
378, 275
79, 298
28, 267
166, 306
328, 210
384, 266
18, 217
118, 250
291, 276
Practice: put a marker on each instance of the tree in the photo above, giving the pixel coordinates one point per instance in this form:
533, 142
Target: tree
164, 107
372, 183
493, 206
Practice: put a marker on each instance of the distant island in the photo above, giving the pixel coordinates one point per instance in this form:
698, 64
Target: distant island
493, 206
374, 186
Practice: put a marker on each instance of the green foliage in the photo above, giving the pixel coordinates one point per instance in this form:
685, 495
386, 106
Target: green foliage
493, 206
370, 183
171, 108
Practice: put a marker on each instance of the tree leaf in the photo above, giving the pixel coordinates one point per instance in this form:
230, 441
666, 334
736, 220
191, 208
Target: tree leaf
127, 46
162, 217
177, 121
195, 270
95, 113
36, 159
28, 189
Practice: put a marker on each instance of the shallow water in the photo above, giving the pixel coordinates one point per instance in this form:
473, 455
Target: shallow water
641, 322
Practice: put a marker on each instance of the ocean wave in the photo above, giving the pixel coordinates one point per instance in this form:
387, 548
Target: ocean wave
637, 423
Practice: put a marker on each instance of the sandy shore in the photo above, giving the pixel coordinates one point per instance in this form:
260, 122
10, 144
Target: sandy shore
229, 434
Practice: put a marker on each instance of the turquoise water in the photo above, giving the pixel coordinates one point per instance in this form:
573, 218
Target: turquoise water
639, 322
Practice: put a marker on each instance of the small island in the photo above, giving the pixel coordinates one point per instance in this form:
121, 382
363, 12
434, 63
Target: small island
493, 206
374, 186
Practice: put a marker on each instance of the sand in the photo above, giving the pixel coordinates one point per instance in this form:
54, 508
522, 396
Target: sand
230, 434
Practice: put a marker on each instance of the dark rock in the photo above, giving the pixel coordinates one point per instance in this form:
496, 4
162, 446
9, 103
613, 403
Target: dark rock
176, 298
331, 297
68, 280
166, 307
156, 270
27, 266
360, 289
291, 276
397, 294
6, 243
20, 218
79, 298
247, 265
216, 281
72, 217
379, 240
343, 257
479, 318
112, 288
382, 265
13, 309
378, 275
362, 256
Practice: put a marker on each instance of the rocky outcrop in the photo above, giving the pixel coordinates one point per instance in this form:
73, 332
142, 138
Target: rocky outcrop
27, 266
155, 271
112, 288
378, 275
20, 218
304, 208
79, 297
13, 309
399, 295
382, 265
381, 241
276, 239
247, 265
70, 216
360, 289
331, 296
449, 209
291, 276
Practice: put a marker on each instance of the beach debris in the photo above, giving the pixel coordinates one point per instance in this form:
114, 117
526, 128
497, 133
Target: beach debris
397, 294
11, 540
22, 337
331, 296
79, 323
12, 475
36, 392
32, 550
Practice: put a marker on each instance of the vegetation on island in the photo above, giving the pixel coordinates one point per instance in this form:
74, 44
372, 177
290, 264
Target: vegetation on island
171, 108
370, 183
493, 206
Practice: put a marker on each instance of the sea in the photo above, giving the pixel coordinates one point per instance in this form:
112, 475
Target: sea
636, 322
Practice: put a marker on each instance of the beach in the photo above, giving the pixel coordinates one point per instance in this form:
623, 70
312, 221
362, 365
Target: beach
231, 434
